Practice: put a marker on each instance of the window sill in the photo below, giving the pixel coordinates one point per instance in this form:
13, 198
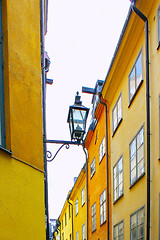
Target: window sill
130, 102
103, 223
93, 175
82, 204
5, 150
117, 127
101, 159
118, 198
137, 180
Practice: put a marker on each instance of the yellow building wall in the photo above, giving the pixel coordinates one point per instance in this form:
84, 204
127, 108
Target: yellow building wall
66, 228
98, 183
134, 117
81, 217
22, 178
155, 139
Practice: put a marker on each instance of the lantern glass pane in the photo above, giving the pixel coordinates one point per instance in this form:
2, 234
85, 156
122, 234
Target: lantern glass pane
79, 119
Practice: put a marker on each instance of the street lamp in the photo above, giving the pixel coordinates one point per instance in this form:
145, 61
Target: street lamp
77, 117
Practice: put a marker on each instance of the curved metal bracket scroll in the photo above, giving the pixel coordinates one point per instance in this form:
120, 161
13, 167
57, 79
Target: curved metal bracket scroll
49, 155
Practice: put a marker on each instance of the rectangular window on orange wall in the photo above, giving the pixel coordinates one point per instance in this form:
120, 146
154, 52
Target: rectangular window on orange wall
93, 169
83, 196
102, 150
103, 207
93, 217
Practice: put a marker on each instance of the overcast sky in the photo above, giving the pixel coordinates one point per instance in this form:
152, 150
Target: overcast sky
81, 40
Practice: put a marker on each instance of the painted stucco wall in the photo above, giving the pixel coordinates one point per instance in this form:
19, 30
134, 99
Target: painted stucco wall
22, 207
98, 182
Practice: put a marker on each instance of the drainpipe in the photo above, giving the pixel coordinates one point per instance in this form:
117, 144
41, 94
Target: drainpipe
144, 18
72, 216
44, 117
86, 187
107, 165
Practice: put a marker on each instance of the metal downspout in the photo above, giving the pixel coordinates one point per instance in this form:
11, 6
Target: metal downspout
144, 18
72, 216
44, 117
107, 165
86, 187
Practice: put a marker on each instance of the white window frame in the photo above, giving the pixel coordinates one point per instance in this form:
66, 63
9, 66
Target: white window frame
118, 179
103, 207
135, 228
139, 165
117, 233
136, 81
102, 149
76, 206
92, 167
93, 217
84, 231
117, 114
83, 196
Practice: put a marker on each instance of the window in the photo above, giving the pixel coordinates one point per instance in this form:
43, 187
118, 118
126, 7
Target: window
118, 179
93, 167
158, 26
62, 236
84, 232
117, 113
135, 77
83, 196
102, 150
2, 111
70, 237
77, 235
76, 206
103, 207
137, 225
65, 219
93, 217
137, 156
119, 231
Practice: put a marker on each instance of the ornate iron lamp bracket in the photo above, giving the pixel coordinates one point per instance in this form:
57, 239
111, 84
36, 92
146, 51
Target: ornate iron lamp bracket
49, 155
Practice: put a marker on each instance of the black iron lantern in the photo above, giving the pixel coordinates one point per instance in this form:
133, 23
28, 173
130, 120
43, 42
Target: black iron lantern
77, 118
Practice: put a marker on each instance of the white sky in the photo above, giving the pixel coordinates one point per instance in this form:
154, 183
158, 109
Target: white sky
81, 40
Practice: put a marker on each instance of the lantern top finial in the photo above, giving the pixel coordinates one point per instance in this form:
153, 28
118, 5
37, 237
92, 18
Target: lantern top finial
77, 99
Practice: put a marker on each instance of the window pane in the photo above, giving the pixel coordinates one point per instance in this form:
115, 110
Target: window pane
140, 167
132, 83
133, 148
133, 162
119, 109
115, 118
120, 189
139, 70
140, 138
140, 154
116, 231
133, 175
